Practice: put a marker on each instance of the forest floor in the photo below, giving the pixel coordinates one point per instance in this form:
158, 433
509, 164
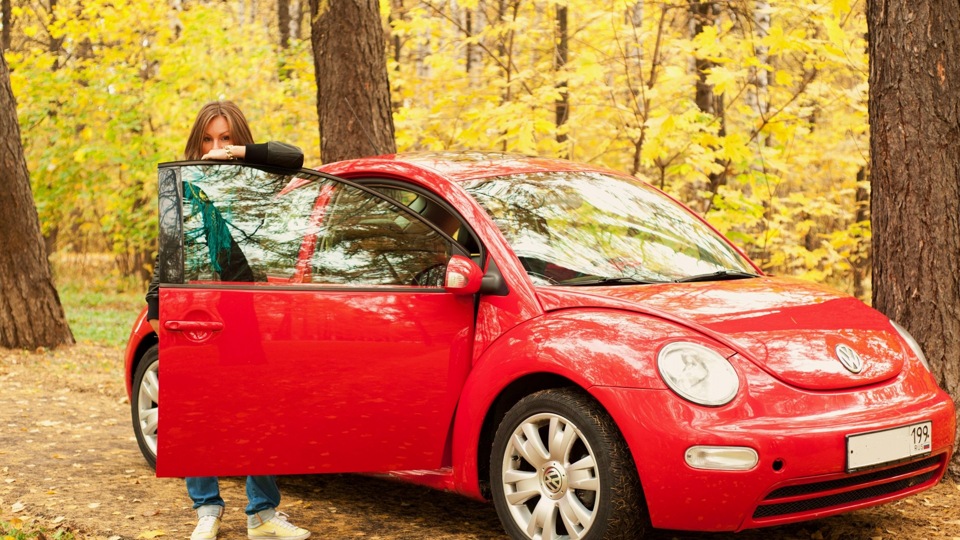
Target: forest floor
69, 463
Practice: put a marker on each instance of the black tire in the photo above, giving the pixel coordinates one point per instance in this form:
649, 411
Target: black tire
143, 404
587, 475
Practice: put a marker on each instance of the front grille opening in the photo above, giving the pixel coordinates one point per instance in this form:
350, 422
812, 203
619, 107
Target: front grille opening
770, 508
830, 485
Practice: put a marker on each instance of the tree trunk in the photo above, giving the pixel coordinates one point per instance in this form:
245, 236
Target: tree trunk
914, 109
860, 255
353, 90
562, 105
705, 14
283, 22
6, 19
30, 312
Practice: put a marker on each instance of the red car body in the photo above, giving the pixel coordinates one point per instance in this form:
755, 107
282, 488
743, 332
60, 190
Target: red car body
414, 383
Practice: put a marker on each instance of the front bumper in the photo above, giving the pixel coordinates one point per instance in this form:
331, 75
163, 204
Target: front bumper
800, 438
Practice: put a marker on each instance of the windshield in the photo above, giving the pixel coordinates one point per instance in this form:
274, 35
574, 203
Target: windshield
588, 228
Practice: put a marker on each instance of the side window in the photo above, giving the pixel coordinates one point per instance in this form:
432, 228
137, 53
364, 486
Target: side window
434, 212
239, 225
242, 224
366, 240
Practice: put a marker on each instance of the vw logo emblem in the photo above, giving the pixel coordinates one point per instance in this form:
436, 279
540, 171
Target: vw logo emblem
552, 479
849, 358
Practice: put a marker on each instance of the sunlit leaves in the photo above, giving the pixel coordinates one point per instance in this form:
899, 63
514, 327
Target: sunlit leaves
121, 92
119, 95
794, 116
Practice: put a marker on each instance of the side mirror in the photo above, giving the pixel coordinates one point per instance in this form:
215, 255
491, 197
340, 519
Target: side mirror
463, 276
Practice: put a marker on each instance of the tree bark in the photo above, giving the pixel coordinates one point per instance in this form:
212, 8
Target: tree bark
353, 90
6, 19
283, 22
30, 312
704, 15
562, 105
914, 109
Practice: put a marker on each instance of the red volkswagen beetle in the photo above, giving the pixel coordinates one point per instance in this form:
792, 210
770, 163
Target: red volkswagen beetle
561, 339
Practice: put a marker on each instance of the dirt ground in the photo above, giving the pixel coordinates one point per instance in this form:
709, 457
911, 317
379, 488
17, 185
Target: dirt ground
68, 460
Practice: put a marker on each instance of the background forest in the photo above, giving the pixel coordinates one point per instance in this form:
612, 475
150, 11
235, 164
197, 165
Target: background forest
752, 113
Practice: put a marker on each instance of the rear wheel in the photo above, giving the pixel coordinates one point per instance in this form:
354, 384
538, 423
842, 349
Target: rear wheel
144, 405
560, 470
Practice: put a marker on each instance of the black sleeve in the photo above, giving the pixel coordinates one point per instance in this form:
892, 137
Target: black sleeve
274, 153
153, 293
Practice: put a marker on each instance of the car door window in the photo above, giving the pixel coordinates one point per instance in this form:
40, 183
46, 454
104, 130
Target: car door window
240, 225
246, 225
368, 240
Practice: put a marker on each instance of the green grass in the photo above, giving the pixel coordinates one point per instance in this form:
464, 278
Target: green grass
16, 529
101, 306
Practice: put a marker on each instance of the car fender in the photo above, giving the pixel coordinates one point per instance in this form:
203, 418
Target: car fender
589, 347
141, 338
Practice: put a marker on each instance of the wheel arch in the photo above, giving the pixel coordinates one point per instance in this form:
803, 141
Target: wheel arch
613, 348
507, 398
142, 337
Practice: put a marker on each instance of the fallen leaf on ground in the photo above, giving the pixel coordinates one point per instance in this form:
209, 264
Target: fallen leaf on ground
151, 534
93, 505
18, 506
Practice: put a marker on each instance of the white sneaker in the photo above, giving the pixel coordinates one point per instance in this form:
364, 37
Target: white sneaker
207, 528
278, 528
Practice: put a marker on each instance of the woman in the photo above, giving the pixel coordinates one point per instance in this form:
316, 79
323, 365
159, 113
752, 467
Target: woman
221, 132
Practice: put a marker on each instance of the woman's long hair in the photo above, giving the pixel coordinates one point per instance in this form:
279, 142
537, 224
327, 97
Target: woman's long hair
237, 122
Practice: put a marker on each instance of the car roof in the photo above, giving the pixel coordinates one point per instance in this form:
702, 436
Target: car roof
465, 165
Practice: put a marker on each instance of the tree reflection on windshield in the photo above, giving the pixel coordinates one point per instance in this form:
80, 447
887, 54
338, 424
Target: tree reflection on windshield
568, 227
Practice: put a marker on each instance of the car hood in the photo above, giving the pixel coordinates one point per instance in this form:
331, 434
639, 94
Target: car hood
790, 328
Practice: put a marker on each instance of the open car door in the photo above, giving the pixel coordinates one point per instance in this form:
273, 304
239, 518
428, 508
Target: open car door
304, 326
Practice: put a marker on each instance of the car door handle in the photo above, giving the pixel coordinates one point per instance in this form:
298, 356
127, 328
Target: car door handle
193, 326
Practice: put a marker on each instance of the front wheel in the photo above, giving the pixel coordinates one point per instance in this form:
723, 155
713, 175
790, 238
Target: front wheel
144, 405
560, 469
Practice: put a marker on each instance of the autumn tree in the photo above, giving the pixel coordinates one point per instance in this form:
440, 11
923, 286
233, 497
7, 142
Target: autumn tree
353, 92
30, 312
915, 175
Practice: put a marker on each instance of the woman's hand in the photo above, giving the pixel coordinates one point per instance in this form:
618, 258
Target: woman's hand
155, 324
227, 153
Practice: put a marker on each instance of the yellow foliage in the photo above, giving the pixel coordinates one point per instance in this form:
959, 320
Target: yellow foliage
775, 168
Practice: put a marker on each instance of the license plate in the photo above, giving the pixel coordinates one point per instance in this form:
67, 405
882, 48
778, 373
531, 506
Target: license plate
889, 445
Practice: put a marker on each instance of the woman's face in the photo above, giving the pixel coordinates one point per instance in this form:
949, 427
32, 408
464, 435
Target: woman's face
216, 135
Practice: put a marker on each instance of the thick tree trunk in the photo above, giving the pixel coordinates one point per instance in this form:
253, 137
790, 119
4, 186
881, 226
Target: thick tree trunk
30, 312
353, 91
915, 175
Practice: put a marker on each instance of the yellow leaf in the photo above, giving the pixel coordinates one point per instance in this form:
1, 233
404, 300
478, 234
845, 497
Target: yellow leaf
783, 78
835, 33
841, 7
151, 534
722, 80
707, 42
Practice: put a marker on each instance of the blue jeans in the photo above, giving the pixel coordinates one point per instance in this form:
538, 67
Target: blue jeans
263, 497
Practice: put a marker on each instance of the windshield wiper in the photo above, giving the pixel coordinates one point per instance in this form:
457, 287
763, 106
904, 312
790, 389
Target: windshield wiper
597, 280
720, 275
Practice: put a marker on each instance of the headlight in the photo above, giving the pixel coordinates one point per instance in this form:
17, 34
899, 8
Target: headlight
698, 374
914, 346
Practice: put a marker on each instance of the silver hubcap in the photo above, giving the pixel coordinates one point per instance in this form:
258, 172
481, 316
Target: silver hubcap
550, 478
148, 396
